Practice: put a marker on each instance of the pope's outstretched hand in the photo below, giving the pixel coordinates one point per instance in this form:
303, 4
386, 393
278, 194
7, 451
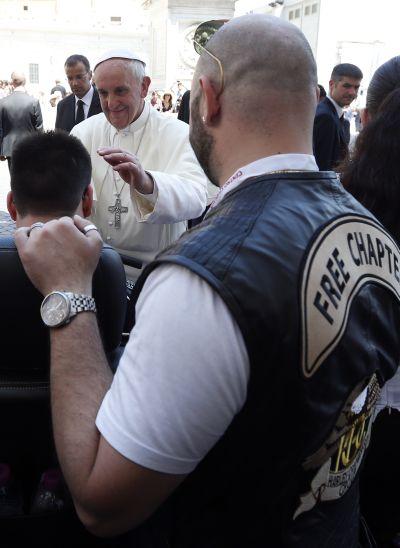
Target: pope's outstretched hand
129, 168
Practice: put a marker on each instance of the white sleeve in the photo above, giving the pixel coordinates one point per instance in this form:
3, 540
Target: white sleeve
181, 183
182, 378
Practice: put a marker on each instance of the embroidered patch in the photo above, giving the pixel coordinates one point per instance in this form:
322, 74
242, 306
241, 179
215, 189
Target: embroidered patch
348, 253
337, 462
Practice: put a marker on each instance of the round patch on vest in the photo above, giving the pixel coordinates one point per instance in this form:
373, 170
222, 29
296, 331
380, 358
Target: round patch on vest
348, 253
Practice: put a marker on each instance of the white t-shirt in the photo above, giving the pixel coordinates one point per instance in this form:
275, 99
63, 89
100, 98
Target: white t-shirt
182, 377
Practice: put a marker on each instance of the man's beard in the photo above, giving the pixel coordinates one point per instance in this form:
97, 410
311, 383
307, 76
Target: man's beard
202, 142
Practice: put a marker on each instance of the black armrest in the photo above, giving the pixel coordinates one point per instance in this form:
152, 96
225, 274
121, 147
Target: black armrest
131, 261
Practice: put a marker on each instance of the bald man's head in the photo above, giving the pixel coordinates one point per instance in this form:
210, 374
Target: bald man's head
18, 79
264, 104
265, 59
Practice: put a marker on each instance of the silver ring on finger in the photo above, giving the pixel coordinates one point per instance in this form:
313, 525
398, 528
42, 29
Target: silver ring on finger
87, 228
35, 225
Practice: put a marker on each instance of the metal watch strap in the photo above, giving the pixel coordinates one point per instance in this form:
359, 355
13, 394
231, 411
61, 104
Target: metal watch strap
81, 303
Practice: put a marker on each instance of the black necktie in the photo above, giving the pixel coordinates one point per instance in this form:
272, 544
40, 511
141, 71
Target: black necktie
80, 115
345, 125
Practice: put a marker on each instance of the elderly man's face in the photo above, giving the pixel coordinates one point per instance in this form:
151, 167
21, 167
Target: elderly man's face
121, 95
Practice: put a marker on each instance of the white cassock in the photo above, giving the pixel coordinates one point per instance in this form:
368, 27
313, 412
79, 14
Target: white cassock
142, 225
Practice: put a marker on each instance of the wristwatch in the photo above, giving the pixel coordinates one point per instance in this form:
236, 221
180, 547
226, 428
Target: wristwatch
59, 307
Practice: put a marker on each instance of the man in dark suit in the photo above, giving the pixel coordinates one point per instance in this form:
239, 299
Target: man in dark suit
184, 107
20, 114
331, 130
84, 100
60, 88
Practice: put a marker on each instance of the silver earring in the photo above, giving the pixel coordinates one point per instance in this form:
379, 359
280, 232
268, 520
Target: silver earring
203, 119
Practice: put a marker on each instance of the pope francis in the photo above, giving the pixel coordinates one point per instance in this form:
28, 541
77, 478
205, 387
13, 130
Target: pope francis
147, 181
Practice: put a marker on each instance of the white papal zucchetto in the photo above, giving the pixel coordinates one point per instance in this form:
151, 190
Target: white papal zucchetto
119, 53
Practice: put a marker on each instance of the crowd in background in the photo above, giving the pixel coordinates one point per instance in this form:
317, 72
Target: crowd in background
167, 101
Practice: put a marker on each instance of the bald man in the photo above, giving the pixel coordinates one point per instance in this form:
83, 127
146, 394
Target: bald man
20, 114
253, 402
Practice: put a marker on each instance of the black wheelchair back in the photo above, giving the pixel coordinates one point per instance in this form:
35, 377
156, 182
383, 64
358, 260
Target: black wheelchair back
27, 454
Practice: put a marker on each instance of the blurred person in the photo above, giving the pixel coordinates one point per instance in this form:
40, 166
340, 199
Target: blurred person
6, 87
331, 129
346, 126
184, 108
49, 110
84, 100
322, 93
357, 121
252, 432
166, 103
20, 114
179, 94
3, 89
55, 98
58, 87
371, 175
147, 180
155, 100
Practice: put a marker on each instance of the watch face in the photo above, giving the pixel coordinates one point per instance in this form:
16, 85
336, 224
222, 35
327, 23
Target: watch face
55, 309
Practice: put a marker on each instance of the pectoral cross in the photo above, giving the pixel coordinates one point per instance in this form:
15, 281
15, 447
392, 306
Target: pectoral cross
117, 209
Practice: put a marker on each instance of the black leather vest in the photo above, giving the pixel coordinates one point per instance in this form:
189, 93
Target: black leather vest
312, 280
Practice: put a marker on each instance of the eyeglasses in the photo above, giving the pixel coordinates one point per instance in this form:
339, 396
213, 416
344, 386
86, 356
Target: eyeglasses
78, 77
202, 35
221, 70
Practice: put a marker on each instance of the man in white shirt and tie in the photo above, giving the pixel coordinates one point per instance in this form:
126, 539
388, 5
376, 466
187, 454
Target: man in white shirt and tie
331, 131
84, 100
